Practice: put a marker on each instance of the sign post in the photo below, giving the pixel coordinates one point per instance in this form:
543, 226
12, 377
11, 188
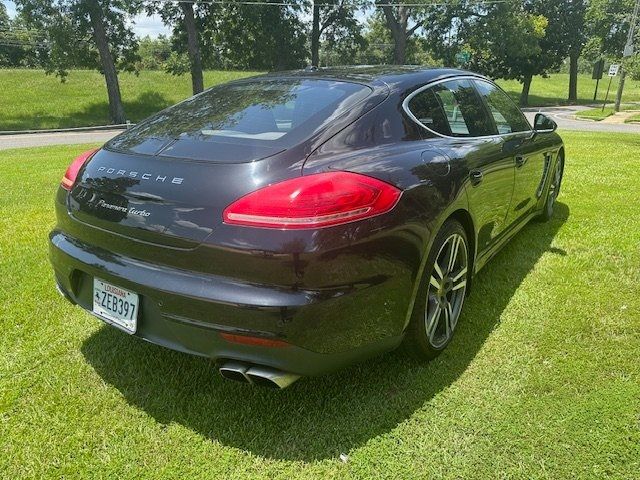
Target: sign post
628, 51
598, 68
613, 71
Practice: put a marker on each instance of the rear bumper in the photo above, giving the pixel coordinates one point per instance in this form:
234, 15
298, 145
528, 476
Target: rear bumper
187, 311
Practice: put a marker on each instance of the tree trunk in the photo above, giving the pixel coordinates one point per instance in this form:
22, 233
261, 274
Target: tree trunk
315, 35
398, 28
623, 74
116, 110
573, 76
399, 49
193, 47
526, 86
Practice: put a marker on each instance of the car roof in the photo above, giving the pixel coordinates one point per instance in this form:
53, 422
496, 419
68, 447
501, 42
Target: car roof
400, 76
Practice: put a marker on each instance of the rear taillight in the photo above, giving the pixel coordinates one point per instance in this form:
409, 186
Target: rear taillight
313, 201
72, 172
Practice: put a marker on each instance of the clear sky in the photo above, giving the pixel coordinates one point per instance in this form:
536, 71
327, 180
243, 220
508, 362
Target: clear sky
142, 24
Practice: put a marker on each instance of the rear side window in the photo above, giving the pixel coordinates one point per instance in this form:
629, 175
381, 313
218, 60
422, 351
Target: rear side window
506, 115
452, 108
265, 115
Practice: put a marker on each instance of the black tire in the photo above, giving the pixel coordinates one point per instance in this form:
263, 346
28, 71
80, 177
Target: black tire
445, 298
553, 191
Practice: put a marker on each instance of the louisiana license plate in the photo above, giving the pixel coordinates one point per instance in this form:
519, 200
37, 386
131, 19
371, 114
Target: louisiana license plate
115, 305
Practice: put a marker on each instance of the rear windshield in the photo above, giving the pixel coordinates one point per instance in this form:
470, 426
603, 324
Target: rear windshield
261, 117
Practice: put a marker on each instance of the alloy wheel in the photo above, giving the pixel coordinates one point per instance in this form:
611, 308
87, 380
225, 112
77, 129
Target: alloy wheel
446, 291
555, 186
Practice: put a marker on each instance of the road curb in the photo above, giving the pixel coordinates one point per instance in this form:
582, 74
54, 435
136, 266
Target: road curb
97, 128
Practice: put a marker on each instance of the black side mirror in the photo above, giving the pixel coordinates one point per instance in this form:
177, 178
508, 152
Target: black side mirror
544, 124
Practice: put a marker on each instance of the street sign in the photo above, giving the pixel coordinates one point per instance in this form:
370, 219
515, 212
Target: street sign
628, 50
598, 68
613, 70
463, 57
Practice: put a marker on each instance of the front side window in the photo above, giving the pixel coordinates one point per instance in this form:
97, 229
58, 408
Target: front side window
506, 115
452, 108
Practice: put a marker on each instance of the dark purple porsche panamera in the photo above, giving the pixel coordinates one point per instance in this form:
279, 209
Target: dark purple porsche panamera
290, 224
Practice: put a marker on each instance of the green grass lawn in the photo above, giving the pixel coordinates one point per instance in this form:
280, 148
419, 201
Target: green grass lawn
32, 100
599, 113
554, 90
541, 381
633, 119
596, 114
29, 99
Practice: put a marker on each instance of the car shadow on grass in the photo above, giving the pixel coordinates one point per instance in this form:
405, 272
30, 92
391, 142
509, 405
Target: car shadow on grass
319, 417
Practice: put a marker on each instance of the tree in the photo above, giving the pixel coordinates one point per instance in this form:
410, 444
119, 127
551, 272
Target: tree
197, 81
265, 37
336, 20
608, 26
572, 18
378, 46
110, 47
532, 39
19, 46
187, 19
398, 19
153, 52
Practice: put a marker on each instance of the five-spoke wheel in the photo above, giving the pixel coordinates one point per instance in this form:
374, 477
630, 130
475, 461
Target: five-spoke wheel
554, 189
442, 295
447, 286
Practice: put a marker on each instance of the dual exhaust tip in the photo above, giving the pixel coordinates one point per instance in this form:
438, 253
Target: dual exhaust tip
257, 375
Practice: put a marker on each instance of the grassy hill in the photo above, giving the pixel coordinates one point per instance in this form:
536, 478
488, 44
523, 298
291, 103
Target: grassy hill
29, 99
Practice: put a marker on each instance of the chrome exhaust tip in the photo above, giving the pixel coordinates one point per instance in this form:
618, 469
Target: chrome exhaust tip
271, 378
257, 375
235, 371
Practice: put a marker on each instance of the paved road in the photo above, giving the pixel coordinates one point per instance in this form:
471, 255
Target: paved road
55, 138
562, 115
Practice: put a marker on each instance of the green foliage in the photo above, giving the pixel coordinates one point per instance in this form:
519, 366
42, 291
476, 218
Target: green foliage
340, 32
252, 36
608, 22
154, 53
377, 41
67, 30
378, 45
530, 36
19, 46
5, 21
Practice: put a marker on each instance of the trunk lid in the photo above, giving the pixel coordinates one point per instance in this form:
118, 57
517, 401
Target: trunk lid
161, 200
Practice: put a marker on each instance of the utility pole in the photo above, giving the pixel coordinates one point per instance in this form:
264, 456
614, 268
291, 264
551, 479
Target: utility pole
628, 51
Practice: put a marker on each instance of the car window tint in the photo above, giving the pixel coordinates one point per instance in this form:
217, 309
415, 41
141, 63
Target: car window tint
452, 108
262, 113
506, 114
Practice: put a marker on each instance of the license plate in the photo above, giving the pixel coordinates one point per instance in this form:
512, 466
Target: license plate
115, 305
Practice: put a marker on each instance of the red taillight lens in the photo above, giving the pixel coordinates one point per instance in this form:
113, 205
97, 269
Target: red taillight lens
72, 172
313, 201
